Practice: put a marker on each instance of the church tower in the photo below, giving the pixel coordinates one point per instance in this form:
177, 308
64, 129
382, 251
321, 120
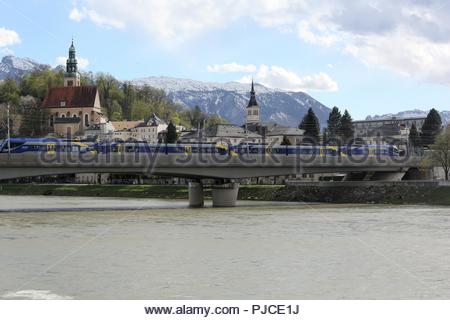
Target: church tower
252, 108
71, 76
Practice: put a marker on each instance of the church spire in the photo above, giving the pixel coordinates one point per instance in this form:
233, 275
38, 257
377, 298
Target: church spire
253, 115
71, 76
252, 102
71, 63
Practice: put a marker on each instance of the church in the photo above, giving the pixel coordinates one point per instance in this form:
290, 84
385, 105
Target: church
271, 133
72, 107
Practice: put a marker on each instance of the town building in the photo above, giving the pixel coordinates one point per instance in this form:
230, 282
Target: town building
148, 131
228, 134
99, 132
73, 108
278, 134
269, 133
393, 130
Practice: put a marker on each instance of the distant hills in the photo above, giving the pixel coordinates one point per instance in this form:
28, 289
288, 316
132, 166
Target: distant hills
229, 100
415, 113
16, 68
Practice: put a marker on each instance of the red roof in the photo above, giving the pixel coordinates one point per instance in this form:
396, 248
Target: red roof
83, 96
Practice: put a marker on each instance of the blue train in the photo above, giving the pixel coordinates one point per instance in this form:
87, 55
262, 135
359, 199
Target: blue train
26, 145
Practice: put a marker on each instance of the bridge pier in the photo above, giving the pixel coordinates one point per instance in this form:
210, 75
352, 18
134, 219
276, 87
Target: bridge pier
196, 196
225, 195
388, 176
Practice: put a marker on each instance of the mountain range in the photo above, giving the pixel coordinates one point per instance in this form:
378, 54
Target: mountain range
230, 99
225, 99
16, 68
415, 113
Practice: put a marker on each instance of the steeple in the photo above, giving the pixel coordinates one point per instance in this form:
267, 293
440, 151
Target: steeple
71, 76
253, 115
252, 102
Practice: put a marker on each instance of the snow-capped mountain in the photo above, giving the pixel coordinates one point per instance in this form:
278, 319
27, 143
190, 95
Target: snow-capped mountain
15, 67
415, 113
229, 100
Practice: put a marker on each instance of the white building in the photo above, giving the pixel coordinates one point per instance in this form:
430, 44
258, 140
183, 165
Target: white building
139, 130
223, 134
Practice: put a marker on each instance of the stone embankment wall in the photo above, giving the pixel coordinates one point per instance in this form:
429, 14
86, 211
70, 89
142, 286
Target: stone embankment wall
419, 192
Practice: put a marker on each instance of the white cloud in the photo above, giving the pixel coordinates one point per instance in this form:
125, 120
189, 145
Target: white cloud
7, 51
411, 37
171, 21
82, 62
408, 55
281, 78
8, 37
231, 67
100, 20
76, 15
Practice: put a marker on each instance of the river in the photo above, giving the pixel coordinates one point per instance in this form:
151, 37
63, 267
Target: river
256, 251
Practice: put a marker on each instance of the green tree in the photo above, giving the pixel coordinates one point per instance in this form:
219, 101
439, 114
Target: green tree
346, 130
334, 124
9, 91
39, 82
431, 128
172, 135
129, 95
35, 121
310, 124
440, 152
214, 119
414, 138
109, 92
197, 117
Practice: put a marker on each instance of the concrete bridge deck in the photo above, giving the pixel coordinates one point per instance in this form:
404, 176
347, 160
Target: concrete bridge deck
196, 165
225, 168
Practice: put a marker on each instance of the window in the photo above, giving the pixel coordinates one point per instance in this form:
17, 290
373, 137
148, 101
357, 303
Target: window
249, 112
70, 83
255, 112
51, 121
86, 120
62, 103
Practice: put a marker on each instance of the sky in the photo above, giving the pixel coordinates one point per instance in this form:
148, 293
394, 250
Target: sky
370, 57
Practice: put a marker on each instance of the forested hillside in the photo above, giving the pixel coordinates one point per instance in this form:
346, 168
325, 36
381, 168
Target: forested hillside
119, 100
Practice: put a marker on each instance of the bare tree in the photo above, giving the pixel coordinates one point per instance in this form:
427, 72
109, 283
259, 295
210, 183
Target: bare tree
440, 153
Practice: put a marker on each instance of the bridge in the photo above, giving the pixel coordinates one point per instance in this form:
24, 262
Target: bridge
226, 170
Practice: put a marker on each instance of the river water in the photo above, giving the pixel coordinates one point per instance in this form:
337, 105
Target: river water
255, 251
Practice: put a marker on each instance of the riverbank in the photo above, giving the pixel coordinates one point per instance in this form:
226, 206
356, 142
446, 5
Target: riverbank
377, 194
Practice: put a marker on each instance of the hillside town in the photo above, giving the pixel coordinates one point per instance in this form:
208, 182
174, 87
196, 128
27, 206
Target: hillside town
82, 110
77, 111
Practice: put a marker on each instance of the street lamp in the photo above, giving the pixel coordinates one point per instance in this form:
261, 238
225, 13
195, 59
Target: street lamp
9, 131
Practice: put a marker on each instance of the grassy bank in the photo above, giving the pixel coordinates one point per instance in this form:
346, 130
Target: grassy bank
128, 191
131, 191
372, 194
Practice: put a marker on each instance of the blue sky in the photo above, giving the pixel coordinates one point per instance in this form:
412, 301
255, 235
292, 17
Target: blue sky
372, 57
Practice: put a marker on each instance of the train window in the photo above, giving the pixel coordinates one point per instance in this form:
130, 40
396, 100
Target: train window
16, 144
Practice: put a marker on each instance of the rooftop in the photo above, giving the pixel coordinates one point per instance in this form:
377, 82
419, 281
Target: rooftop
83, 96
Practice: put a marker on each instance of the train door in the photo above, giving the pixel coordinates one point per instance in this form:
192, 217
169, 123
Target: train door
51, 147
